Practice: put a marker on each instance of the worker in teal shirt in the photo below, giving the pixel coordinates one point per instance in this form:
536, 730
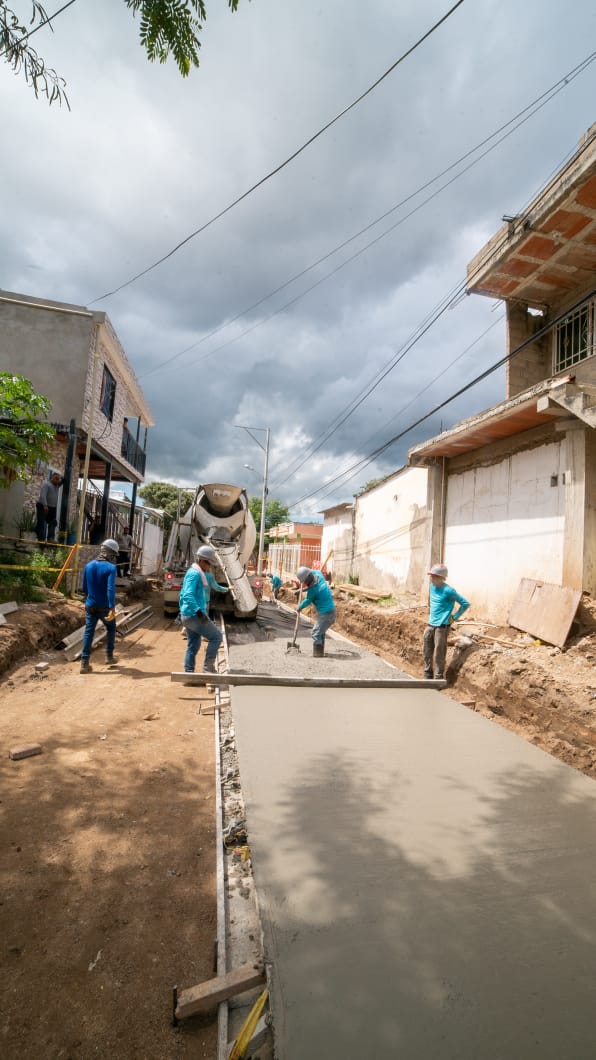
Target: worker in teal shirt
320, 596
194, 601
442, 599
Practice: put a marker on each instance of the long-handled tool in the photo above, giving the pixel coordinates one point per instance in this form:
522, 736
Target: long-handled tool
291, 644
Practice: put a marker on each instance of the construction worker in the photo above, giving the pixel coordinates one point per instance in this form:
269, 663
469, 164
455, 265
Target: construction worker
206, 552
320, 596
194, 602
46, 507
276, 584
99, 586
443, 599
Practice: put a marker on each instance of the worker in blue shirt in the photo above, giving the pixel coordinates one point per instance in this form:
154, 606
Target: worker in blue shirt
99, 586
320, 596
194, 602
276, 584
443, 599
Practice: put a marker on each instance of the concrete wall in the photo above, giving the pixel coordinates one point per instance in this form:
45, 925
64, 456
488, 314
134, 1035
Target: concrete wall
107, 431
51, 348
504, 521
337, 535
392, 526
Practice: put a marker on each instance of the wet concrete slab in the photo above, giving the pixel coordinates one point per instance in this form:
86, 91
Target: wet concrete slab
426, 879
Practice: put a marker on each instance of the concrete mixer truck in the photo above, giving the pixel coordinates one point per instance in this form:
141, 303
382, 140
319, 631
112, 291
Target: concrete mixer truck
218, 516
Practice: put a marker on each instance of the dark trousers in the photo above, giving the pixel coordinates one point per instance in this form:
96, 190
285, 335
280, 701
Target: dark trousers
123, 564
46, 524
92, 616
435, 650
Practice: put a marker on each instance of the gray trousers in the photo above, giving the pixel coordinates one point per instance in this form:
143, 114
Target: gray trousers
435, 649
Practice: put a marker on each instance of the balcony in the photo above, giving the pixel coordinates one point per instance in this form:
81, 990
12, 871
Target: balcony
132, 451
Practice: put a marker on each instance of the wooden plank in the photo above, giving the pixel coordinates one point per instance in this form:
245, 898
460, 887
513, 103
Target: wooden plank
545, 611
206, 996
302, 682
358, 590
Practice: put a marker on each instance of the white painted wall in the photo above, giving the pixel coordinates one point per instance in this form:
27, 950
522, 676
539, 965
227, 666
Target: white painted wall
337, 535
152, 548
503, 523
391, 528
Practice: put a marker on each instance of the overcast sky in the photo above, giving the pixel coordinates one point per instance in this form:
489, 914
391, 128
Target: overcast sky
95, 195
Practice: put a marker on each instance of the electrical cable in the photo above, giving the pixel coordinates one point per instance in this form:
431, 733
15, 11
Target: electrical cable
458, 393
286, 162
536, 105
437, 313
40, 25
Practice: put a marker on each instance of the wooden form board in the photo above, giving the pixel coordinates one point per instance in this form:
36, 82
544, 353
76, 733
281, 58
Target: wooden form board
302, 682
208, 995
544, 610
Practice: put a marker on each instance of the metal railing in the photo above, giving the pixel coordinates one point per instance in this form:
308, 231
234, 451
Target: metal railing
132, 451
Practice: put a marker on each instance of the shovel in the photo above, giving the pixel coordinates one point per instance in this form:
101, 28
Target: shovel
291, 644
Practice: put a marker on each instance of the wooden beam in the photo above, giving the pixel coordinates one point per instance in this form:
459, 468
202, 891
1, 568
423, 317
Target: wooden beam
303, 682
358, 590
206, 996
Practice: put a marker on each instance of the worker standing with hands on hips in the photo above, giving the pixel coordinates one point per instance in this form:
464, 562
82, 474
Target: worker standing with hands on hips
194, 602
320, 596
99, 586
443, 599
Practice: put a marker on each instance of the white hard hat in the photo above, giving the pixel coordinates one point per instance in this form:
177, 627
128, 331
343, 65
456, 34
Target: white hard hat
440, 570
302, 573
206, 552
111, 544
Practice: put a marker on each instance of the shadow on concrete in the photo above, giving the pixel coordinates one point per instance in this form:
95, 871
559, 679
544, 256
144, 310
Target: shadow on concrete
465, 934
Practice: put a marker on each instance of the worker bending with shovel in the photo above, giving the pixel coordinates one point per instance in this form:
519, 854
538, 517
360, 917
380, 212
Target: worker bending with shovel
320, 596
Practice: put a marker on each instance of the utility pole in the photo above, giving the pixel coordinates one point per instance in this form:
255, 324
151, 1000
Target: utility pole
265, 448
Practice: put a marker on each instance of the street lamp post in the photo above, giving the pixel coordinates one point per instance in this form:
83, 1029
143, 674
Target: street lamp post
265, 448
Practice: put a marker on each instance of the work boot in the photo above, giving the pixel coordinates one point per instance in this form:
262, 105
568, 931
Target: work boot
439, 677
85, 666
111, 660
428, 675
209, 667
318, 651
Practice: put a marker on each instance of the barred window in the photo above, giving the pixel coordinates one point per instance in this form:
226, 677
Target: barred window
574, 337
108, 393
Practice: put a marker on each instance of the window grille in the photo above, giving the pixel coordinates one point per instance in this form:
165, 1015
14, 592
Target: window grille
574, 337
108, 393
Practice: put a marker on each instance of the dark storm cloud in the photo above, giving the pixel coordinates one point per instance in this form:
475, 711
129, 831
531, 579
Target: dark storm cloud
145, 157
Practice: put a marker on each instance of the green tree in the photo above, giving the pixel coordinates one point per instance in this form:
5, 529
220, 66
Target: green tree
275, 512
166, 27
25, 436
164, 495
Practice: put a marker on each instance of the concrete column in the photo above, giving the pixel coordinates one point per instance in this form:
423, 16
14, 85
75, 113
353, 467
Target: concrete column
575, 543
533, 364
436, 500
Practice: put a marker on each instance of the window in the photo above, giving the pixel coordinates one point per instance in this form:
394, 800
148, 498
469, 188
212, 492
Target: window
108, 393
574, 337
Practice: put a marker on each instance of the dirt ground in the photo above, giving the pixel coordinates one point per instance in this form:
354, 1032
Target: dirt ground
108, 875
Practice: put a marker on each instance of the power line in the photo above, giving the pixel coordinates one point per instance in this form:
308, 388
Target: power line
533, 107
448, 301
286, 162
458, 393
40, 25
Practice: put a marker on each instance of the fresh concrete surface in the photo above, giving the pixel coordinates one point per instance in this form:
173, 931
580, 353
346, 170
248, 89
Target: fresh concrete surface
426, 879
